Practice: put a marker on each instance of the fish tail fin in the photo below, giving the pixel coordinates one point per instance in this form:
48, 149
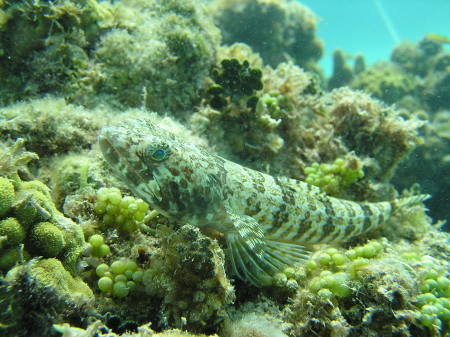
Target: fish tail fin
407, 202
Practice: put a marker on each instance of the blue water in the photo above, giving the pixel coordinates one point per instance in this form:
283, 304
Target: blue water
357, 26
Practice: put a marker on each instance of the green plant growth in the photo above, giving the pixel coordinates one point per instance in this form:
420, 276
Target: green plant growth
50, 273
234, 80
47, 239
6, 195
333, 178
434, 301
124, 212
34, 227
97, 247
339, 269
118, 279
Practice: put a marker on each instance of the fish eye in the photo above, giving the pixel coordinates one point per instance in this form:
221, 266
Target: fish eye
159, 154
154, 152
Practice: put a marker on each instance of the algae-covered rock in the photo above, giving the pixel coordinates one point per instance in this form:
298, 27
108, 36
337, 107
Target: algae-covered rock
72, 174
8, 258
387, 82
12, 231
342, 73
133, 52
6, 195
47, 239
158, 56
417, 72
252, 323
51, 273
431, 160
188, 273
50, 125
278, 30
100, 330
44, 45
39, 293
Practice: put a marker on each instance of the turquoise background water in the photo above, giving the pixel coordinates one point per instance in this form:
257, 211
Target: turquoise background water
357, 26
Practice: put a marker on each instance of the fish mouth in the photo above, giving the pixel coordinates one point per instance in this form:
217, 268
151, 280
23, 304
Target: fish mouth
140, 180
113, 155
109, 152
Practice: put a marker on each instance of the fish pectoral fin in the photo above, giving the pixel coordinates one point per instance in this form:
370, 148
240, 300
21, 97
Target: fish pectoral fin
246, 263
255, 258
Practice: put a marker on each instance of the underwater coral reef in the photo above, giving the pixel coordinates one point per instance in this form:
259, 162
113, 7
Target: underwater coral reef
297, 206
415, 79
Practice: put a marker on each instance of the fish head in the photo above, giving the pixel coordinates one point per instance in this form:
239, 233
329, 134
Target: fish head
159, 167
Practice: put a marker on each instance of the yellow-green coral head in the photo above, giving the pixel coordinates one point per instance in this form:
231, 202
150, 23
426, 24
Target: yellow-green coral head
47, 239
12, 231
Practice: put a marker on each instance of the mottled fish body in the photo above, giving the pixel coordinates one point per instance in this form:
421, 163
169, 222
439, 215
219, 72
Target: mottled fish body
266, 221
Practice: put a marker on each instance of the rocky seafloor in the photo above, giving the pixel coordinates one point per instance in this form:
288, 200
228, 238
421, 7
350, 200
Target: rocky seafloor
80, 255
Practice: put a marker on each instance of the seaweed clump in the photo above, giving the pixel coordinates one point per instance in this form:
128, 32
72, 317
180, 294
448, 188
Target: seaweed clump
376, 288
234, 80
178, 276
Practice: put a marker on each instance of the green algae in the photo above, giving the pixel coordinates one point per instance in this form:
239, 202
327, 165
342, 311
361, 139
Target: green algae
98, 62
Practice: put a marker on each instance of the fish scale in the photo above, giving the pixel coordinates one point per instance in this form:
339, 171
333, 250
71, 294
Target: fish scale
267, 221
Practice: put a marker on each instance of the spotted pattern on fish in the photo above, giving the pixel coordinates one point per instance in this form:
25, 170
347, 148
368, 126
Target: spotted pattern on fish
267, 221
